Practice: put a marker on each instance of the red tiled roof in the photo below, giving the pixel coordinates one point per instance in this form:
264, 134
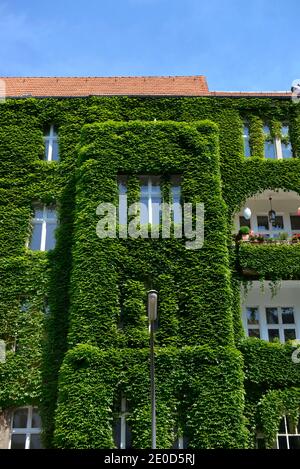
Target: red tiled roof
41, 87
105, 86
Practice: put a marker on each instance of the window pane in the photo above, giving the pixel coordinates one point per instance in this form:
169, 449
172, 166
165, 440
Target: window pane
272, 315
47, 131
177, 213
286, 150
35, 442
289, 334
176, 194
246, 141
290, 425
295, 222
270, 150
36, 419
51, 213
128, 437
50, 236
144, 217
122, 209
294, 442
252, 316
18, 441
25, 306
144, 180
254, 333
47, 143
260, 443
155, 210
55, 151
244, 222
262, 222
155, 183
282, 428
38, 213
122, 200
287, 315
273, 334
282, 442
117, 433
278, 223
20, 418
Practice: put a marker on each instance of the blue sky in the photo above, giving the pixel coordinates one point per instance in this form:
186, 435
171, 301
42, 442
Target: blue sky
238, 45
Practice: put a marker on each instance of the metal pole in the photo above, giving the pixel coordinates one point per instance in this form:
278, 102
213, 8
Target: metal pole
152, 377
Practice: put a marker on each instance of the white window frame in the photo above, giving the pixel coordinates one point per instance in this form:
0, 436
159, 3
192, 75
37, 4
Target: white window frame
286, 434
50, 138
43, 221
28, 431
148, 194
263, 326
280, 326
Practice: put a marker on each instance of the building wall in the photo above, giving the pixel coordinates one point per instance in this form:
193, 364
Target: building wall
89, 282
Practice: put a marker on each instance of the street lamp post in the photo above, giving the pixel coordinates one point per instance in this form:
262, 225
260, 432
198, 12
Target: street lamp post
152, 316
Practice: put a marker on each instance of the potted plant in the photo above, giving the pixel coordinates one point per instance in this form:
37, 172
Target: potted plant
296, 238
283, 236
244, 232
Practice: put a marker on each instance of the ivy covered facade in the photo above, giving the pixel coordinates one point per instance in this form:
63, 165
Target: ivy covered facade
81, 343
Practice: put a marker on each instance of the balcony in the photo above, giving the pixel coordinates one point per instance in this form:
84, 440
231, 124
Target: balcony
272, 261
274, 219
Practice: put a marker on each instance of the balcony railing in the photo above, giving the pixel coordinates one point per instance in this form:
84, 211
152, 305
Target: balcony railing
264, 238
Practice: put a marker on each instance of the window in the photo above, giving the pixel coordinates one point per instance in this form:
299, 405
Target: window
265, 227
9, 343
262, 223
247, 151
253, 326
122, 432
181, 443
260, 442
26, 429
295, 222
271, 323
288, 436
46, 306
51, 144
269, 144
44, 225
280, 323
151, 199
284, 142
280, 147
244, 222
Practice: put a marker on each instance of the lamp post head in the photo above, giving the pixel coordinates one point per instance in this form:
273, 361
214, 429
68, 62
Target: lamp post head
152, 305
